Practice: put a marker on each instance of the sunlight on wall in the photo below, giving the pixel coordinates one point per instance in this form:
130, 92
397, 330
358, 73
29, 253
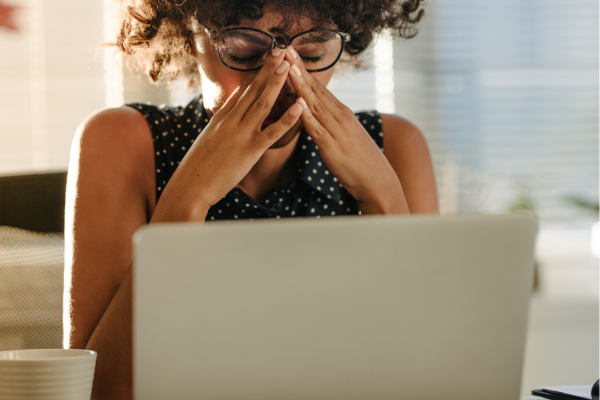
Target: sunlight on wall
113, 74
40, 157
384, 74
52, 79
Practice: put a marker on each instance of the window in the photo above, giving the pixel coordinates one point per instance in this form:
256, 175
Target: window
52, 78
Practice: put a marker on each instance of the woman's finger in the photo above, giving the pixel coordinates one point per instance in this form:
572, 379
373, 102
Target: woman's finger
314, 128
260, 109
260, 81
274, 131
319, 90
231, 100
303, 88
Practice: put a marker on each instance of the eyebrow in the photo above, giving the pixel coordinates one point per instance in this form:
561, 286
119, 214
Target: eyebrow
320, 36
245, 36
277, 30
313, 29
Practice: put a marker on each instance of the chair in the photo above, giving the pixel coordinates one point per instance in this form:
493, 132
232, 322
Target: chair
31, 260
34, 202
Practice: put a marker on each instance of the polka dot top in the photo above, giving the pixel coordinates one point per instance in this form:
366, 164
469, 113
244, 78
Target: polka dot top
313, 192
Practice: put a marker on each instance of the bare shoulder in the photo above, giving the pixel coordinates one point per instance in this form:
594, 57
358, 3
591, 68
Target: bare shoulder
407, 151
115, 144
122, 129
399, 132
110, 194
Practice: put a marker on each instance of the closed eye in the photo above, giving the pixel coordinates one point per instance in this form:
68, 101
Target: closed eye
244, 60
308, 59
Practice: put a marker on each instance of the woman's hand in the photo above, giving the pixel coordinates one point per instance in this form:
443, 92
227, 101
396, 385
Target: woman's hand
347, 149
229, 146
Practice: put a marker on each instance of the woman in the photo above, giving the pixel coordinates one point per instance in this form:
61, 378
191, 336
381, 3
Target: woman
265, 140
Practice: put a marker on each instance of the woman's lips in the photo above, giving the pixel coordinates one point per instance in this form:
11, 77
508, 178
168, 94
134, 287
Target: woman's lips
270, 120
278, 110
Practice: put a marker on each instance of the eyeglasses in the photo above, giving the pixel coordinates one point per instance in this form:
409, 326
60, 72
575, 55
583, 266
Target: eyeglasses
246, 49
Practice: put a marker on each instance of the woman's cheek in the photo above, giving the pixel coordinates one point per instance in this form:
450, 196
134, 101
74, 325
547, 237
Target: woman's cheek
324, 76
218, 82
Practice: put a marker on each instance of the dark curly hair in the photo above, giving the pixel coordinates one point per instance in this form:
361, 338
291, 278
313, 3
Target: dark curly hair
158, 32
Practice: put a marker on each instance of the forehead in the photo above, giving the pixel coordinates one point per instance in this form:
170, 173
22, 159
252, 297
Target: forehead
273, 22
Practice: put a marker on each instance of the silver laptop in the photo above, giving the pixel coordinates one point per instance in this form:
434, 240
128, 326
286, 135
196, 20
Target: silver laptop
377, 308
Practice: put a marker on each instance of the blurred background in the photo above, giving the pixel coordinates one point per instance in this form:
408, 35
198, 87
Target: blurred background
506, 93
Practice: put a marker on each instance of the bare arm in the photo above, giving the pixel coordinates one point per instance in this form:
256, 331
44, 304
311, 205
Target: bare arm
111, 193
399, 182
407, 151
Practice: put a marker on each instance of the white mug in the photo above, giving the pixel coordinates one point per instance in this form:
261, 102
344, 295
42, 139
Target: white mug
53, 374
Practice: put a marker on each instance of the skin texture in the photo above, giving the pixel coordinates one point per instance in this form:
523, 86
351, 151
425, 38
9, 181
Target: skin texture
111, 184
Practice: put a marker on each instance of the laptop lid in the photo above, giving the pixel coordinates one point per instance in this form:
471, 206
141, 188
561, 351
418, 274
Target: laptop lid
360, 308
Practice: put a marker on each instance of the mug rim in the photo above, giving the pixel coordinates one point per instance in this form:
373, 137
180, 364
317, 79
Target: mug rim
62, 354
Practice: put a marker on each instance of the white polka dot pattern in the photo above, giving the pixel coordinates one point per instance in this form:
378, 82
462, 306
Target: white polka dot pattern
322, 193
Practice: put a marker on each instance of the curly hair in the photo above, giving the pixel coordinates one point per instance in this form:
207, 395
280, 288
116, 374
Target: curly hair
157, 33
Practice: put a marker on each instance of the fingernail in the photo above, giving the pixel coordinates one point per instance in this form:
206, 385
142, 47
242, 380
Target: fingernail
293, 52
296, 70
276, 52
302, 102
282, 67
295, 110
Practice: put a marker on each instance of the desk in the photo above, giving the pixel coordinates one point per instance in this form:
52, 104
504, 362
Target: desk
562, 343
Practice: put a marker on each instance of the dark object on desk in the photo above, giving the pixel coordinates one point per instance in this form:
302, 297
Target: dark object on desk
558, 395
35, 202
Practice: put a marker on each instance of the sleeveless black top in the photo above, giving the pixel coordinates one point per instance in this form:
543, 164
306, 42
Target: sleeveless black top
313, 192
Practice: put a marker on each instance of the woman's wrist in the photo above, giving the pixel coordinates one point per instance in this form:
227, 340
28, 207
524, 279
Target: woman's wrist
179, 210
385, 204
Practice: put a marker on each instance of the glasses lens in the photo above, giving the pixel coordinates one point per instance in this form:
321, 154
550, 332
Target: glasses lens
243, 48
319, 49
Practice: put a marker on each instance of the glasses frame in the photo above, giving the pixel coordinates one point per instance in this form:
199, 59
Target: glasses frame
213, 35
